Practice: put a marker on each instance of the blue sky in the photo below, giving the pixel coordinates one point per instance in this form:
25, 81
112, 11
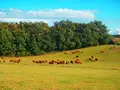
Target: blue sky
108, 11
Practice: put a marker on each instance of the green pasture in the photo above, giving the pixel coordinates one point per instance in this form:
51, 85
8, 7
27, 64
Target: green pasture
103, 74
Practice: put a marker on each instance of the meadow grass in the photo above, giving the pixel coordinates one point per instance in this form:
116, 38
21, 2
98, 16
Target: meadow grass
101, 75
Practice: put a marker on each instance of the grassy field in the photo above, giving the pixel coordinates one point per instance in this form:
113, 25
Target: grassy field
101, 75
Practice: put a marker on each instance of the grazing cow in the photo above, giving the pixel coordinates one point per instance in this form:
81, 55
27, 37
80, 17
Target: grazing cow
92, 57
40, 61
77, 56
96, 59
15, 61
18, 60
77, 51
71, 62
43, 61
51, 62
67, 62
73, 52
0, 61
62, 62
46, 61
58, 62
102, 51
4, 61
78, 61
37, 61
55, 61
11, 60
33, 61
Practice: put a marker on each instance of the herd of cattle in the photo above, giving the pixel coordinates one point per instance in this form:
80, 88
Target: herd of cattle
10, 61
93, 59
77, 61
57, 61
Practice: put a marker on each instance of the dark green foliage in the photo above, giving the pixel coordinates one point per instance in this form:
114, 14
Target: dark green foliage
27, 38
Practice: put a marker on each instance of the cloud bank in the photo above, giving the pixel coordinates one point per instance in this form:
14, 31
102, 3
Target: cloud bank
47, 15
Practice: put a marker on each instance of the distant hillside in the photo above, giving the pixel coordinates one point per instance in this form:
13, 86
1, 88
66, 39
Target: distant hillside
116, 36
116, 40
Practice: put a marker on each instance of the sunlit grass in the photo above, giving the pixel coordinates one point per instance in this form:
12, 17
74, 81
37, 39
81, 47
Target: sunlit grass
101, 75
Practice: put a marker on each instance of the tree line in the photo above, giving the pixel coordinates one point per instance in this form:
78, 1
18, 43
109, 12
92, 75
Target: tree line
28, 38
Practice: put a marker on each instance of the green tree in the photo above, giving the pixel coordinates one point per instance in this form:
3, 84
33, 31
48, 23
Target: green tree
6, 46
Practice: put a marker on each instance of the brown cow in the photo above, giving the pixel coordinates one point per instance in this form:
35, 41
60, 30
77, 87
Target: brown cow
33, 61
58, 62
102, 51
16, 61
73, 52
40, 61
78, 61
77, 51
51, 62
46, 61
11, 60
37, 61
62, 62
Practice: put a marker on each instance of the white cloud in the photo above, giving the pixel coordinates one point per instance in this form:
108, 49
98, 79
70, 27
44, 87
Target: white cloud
48, 14
115, 31
118, 31
111, 32
63, 13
